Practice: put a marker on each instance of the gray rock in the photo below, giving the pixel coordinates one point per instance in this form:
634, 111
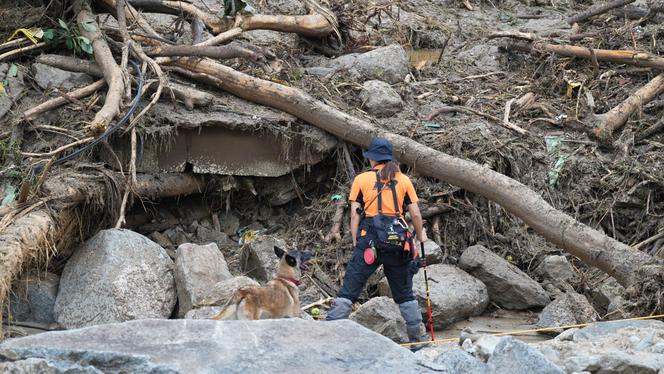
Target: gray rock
513, 356
606, 292
483, 346
380, 99
13, 88
221, 292
382, 315
389, 64
458, 361
556, 268
117, 275
203, 346
42, 366
569, 309
258, 258
320, 71
204, 312
34, 298
434, 252
484, 57
384, 287
47, 76
177, 235
197, 269
508, 286
206, 235
601, 329
455, 295
620, 347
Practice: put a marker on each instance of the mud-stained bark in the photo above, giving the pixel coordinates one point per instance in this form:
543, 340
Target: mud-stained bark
589, 245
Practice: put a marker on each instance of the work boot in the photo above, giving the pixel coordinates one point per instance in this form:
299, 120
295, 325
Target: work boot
341, 308
410, 311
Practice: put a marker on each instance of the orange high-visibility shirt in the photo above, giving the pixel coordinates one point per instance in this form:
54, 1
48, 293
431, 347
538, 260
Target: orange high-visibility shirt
364, 191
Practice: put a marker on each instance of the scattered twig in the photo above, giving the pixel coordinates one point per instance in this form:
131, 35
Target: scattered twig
58, 150
20, 51
60, 101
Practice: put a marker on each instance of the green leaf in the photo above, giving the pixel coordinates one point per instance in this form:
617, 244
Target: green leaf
63, 24
336, 197
83, 40
554, 173
13, 71
49, 35
86, 47
431, 125
88, 26
70, 43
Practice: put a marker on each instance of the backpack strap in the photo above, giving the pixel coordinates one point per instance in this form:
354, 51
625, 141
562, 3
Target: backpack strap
393, 187
379, 188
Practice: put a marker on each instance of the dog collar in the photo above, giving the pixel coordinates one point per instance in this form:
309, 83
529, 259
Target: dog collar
293, 280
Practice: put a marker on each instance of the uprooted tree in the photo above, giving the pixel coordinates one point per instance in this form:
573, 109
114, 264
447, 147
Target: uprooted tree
34, 225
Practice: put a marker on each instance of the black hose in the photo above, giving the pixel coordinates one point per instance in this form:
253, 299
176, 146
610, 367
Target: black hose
134, 105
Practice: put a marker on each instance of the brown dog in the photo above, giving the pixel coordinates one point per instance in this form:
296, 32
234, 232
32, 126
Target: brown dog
279, 298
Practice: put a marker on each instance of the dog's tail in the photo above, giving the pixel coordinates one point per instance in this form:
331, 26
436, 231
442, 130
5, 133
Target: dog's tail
229, 309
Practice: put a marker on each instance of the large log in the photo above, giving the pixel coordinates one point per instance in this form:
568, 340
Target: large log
589, 245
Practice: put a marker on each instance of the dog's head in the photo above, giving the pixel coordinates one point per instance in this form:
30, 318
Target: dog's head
295, 259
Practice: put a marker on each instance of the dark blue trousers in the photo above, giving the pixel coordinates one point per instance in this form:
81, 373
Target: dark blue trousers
398, 269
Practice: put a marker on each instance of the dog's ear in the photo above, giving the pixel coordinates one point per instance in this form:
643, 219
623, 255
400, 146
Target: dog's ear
291, 261
279, 252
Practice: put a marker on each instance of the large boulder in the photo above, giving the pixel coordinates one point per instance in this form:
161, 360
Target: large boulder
258, 258
48, 76
508, 286
203, 346
382, 315
34, 297
568, 309
379, 98
117, 275
455, 294
221, 292
197, 269
513, 356
389, 64
619, 347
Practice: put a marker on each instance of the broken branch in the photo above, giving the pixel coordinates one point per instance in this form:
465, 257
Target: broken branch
60, 101
111, 70
605, 124
597, 10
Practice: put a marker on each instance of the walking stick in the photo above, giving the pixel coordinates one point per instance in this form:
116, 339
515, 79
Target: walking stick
426, 286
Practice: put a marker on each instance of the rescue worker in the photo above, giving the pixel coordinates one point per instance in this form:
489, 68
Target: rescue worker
377, 199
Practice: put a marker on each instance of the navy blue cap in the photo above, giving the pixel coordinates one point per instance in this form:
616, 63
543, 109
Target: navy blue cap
379, 150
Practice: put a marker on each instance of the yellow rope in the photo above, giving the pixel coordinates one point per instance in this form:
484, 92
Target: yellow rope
450, 340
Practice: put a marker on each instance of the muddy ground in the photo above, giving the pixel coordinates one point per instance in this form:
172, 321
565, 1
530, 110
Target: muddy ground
616, 186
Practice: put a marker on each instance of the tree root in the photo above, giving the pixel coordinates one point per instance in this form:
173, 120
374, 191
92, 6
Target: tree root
111, 71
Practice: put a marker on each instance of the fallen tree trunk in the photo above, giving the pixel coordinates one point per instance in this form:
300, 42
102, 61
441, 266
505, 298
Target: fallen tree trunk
605, 124
589, 245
